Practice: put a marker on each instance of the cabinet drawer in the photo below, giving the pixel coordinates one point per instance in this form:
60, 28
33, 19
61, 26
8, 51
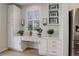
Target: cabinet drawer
51, 47
53, 42
54, 52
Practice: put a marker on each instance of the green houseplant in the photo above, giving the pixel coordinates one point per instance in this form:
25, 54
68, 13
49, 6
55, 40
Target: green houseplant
20, 32
50, 32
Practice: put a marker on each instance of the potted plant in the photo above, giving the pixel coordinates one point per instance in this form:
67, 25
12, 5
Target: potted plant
20, 32
30, 33
39, 30
50, 32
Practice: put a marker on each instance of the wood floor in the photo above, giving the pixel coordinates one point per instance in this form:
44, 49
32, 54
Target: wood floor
27, 52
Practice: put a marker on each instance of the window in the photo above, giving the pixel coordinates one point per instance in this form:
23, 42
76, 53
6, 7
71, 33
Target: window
33, 20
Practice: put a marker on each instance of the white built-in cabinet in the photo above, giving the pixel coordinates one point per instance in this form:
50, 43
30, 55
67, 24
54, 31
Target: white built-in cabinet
52, 45
46, 45
13, 22
43, 46
14, 18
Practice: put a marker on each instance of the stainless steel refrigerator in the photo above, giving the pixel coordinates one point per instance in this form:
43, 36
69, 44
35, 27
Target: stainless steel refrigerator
74, 32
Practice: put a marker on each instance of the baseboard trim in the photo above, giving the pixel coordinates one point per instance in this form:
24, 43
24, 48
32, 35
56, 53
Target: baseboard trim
16, 50
3, 50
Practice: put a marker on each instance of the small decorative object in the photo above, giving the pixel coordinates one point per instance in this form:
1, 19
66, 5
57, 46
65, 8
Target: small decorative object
50, 32
53, 13
20, 32
53, 20
22, 22
53, 6
44, 21
39, 30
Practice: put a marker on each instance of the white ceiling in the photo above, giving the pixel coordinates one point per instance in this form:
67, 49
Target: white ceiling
22, 4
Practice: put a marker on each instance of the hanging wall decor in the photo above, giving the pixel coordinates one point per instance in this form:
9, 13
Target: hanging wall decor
22, 22
44, 21
53, 14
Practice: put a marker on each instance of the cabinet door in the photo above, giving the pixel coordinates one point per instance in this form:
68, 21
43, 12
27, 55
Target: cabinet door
13, 24
17, 43
10, 26
43, 47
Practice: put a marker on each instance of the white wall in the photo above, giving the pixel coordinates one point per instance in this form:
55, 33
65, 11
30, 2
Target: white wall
73, 6
76, 7
3, 27
65, 28
24, 9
